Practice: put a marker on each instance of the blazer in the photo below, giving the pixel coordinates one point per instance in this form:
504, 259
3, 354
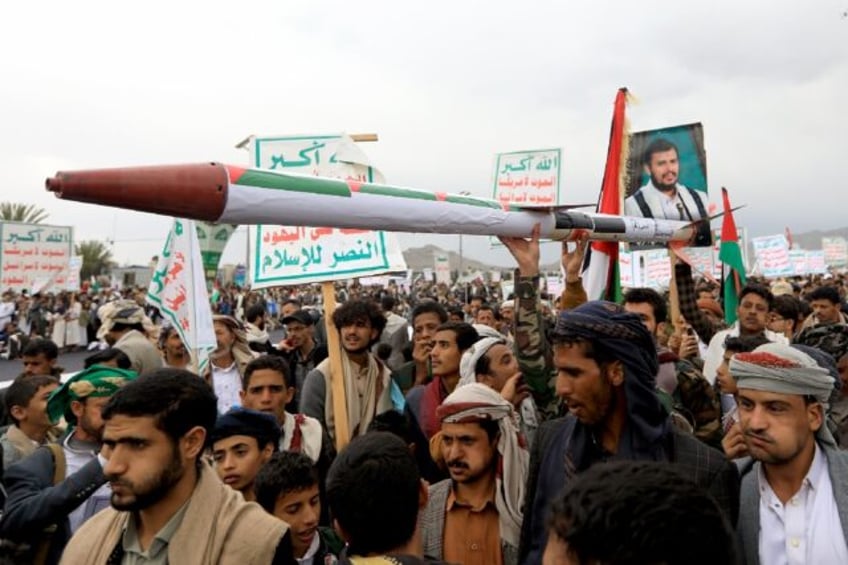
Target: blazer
33, 502
748, 529
705, 465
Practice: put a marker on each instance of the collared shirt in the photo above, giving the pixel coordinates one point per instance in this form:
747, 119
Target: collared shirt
226, 381
77, 455
472, 536
157, 552
309, 556
807, 529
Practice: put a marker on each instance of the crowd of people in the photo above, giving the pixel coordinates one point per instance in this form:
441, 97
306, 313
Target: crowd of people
483, 429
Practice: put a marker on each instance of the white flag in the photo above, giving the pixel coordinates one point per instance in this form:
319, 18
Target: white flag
178, 290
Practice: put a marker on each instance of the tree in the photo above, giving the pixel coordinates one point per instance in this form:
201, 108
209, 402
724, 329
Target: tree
26, 213
96, 258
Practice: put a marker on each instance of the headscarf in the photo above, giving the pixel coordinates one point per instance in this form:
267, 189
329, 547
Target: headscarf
244, 422
783, 369
124, 312
608, 325
468, 363
476, 402
98, 381
240, 350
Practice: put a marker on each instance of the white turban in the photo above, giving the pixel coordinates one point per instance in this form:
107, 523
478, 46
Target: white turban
475, 402
468, 363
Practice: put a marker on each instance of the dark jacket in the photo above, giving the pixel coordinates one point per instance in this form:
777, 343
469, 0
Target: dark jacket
706, 466
33, 503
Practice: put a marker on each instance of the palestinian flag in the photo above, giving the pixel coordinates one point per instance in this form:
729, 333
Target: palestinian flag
600, 268
730, 255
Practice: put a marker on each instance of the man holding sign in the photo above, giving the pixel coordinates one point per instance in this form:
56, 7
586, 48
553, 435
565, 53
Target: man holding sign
367, 382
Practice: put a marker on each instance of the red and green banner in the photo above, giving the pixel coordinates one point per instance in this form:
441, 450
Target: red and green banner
733, 266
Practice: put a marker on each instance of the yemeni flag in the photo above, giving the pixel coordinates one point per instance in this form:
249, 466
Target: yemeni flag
600, 268
732, 266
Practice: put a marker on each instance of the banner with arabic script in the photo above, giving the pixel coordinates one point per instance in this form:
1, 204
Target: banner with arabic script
772, 256
297, 255
331, 156
34, 256
178, 290
530, 177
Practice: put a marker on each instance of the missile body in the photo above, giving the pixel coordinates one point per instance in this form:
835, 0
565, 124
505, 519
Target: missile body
226, 194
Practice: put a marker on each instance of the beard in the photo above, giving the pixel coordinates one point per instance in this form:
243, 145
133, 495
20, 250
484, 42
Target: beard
89, 428
662, 186
153, 489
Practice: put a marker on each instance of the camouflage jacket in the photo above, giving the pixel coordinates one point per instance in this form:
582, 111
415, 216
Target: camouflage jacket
830, 338
531, 347
696, 400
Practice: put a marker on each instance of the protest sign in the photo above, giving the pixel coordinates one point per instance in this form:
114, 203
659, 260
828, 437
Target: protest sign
295, 255
34, 257
528, 177
442, 266
771, 253
835, 251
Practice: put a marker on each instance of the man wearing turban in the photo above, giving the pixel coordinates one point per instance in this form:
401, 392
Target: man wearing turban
794, 497
606, 365
475, 516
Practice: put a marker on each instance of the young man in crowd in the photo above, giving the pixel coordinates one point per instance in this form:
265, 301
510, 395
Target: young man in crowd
242, 442
827, 308
268, 387
288, 487
35, 499
474, 517
39, 357
167, 505
755, 304
794, 500
26, 404
368, 383
637, 512
426, 319
450, 341
607, 363
228, 361
301, 350
375, 493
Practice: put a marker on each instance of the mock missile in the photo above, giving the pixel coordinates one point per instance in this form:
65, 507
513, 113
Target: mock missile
219, 193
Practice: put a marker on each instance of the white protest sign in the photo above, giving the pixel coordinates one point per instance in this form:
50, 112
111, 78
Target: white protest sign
306, 255
528, 177
625, 268
34, 257
800, 265
442, 266
835, 251
772, 256
817, 262
298, 255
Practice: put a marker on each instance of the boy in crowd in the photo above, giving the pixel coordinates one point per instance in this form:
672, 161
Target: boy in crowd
242, 442
26, 403
287, 487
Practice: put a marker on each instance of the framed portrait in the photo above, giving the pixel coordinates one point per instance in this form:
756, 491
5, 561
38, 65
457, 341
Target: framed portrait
667, 178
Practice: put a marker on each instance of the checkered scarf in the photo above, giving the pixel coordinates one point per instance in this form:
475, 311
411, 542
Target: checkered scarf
475, 402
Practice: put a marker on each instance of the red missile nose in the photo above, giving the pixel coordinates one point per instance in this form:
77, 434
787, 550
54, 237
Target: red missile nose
196, 191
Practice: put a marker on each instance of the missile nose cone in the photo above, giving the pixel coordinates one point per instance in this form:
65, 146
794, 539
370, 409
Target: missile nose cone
54, 184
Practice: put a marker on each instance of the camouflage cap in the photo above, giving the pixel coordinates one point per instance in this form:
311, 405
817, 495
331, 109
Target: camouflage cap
830, 338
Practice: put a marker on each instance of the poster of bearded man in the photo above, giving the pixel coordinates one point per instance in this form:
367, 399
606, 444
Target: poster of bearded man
667, 177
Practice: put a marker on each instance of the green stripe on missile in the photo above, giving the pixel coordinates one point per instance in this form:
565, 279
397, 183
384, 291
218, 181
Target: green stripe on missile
314, 185
383, 190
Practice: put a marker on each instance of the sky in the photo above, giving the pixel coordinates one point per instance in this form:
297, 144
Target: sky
445, 85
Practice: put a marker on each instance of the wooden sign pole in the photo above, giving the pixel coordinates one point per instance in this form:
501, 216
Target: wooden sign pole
334, 350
